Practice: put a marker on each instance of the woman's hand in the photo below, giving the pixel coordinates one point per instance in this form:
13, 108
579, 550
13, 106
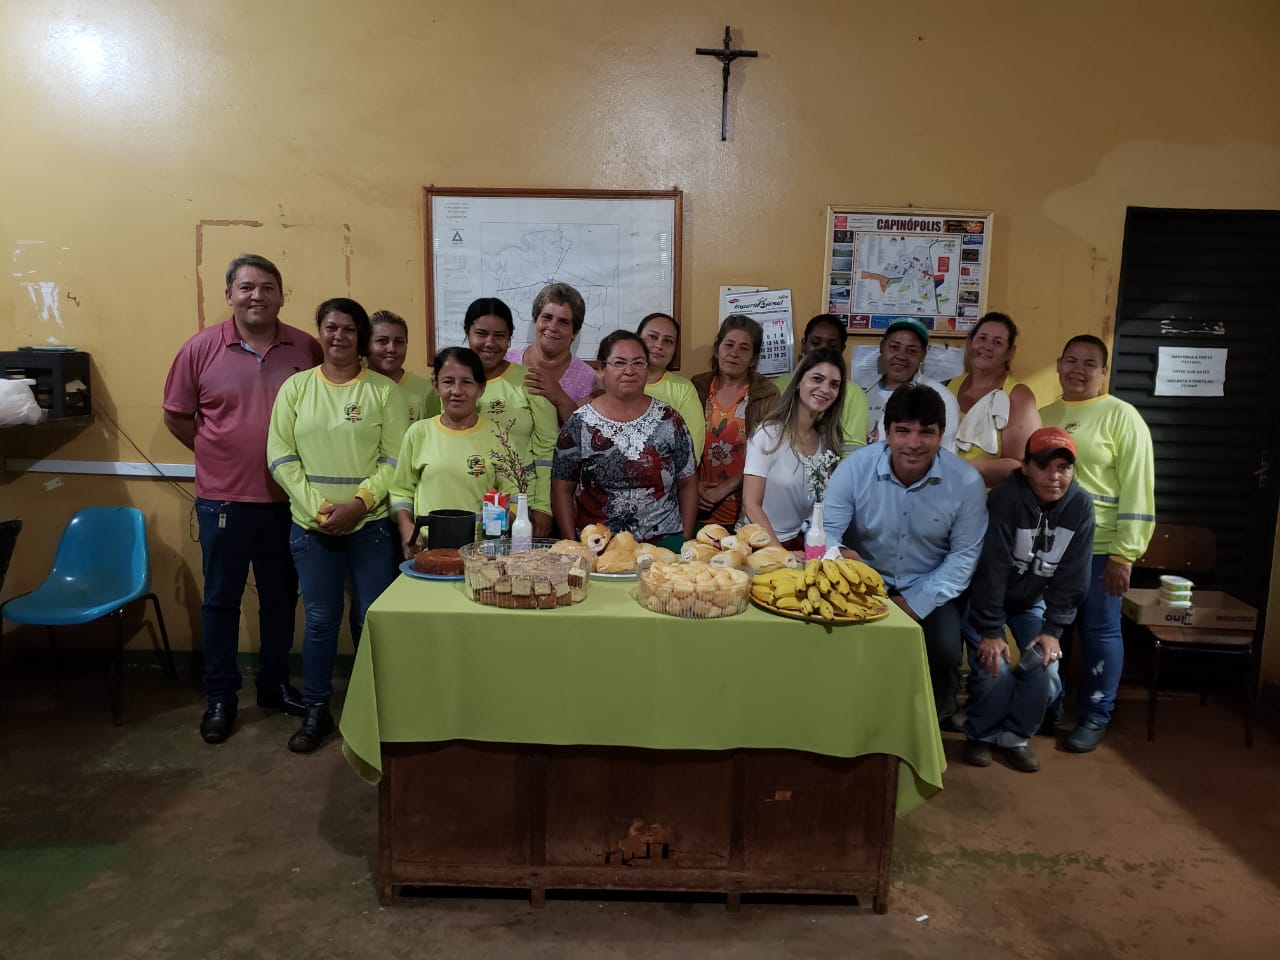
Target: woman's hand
409, 543
710, 494
1115, 577
990, 652
542, 384
541, 523
341, 518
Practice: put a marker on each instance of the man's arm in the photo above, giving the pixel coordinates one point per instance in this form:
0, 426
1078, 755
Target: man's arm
991, 575
1064, 594
950, 578
838, 505
182, 426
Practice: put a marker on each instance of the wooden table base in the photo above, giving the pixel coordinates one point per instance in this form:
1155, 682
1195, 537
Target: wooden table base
617, 818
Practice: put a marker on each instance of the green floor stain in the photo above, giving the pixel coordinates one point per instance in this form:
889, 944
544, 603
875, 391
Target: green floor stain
35, 876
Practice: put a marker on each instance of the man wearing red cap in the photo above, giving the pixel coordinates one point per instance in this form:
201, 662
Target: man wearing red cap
1032, 575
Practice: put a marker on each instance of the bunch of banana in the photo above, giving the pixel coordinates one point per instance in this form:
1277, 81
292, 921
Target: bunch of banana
823, 588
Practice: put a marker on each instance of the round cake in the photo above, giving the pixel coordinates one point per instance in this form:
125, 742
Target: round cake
440, 563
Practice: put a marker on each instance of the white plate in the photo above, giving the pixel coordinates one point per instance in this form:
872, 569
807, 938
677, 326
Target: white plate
614, 576
407, 569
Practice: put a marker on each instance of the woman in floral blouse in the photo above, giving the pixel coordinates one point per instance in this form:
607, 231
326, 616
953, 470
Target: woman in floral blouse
734, 399
624, 459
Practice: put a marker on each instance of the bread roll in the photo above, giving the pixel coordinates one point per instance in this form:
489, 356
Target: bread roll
623, 542
596, 536
616, 561
654, 551
770, 558
753, 534
727, 558
712, 533
696, 550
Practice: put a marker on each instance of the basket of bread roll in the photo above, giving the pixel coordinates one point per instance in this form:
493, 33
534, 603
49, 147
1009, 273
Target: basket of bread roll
541, 578
693, 588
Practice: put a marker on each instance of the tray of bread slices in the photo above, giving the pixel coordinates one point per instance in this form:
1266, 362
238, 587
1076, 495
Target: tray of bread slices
540, 578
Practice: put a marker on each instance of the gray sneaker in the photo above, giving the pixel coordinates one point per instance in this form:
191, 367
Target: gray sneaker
1085, 737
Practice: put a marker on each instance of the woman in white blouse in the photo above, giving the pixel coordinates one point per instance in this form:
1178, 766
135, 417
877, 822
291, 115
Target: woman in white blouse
799, 437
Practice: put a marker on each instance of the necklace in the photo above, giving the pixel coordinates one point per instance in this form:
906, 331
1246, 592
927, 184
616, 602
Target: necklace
466, 423
725, 412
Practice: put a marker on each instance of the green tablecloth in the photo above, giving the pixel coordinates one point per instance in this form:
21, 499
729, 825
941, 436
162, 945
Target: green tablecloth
434, 666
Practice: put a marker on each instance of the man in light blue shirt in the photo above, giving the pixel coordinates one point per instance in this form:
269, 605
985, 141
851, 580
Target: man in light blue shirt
917, 514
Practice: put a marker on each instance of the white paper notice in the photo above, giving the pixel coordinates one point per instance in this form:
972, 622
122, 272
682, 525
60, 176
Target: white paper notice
1191, 371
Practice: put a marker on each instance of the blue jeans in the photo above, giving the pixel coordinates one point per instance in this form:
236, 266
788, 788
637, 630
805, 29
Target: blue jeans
325, 563
1101, 650
233, 536
942, 646
1007, 709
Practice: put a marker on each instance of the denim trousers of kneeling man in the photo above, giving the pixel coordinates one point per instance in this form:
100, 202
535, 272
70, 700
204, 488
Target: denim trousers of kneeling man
233, 537
325, 564
1008, 708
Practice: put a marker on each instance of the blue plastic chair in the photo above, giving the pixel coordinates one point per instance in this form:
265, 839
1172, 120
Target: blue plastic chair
102, 565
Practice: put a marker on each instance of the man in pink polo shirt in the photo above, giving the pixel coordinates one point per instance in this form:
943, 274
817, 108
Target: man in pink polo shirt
217, 401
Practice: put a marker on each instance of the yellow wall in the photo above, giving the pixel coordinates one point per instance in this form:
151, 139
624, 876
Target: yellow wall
128, 124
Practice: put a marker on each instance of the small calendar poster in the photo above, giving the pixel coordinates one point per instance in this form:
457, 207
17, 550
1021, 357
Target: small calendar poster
772, 310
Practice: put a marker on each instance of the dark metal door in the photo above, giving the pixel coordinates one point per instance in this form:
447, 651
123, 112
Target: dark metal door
1208, 278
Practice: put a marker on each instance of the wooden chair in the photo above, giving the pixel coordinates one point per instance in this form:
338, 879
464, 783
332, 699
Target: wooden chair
1190, 551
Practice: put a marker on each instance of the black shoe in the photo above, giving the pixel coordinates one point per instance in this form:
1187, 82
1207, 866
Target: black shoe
1021, 758
282, 696
953, 723
316, 725
977, 753
1085, 737
216, 724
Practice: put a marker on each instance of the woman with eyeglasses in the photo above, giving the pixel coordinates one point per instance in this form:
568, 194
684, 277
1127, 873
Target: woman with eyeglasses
735, 398
1115, 464
624, 459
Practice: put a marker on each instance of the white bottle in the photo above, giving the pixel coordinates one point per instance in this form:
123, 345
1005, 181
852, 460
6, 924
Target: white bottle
815, 540
522, 528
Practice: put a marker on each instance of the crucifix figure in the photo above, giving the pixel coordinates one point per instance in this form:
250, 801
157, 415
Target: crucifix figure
725, 55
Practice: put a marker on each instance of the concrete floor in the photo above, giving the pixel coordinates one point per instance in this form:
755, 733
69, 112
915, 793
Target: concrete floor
143, 842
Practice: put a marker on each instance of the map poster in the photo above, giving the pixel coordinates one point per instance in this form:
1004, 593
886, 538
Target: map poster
772, 310
619, 249
884, 264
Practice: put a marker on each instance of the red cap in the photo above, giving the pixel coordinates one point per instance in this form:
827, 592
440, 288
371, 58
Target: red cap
1047, 441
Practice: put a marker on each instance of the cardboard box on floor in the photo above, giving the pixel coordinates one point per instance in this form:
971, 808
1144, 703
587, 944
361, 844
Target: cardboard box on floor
1209, 608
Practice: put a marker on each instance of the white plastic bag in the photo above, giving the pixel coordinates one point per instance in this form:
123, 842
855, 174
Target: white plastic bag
17, 403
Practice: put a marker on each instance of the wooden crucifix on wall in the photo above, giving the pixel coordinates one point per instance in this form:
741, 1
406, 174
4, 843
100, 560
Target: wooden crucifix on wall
726, 55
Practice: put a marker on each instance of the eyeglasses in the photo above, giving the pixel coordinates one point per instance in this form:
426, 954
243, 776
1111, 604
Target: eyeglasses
639, 363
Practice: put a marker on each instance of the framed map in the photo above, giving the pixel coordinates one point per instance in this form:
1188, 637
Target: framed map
888, 263
619, 248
